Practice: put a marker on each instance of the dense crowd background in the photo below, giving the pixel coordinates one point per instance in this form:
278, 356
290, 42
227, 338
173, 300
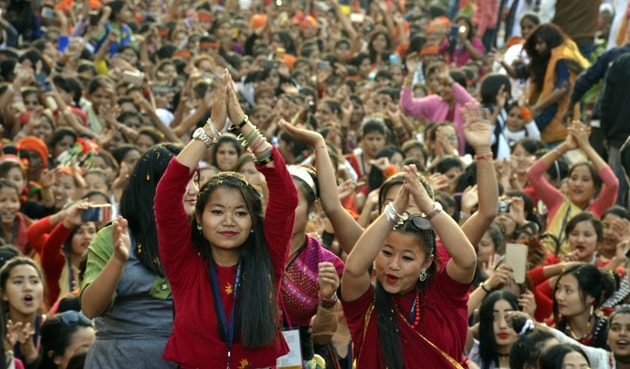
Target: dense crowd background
511, 114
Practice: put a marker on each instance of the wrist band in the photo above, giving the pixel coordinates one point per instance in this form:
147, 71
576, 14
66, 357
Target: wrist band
483, 287
328, 303
243, 122
487, 156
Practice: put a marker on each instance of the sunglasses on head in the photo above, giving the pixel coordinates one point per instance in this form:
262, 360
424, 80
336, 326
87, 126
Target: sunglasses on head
418, 221
73, 318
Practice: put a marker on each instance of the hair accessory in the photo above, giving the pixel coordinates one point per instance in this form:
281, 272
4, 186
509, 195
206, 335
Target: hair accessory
527, 327
423, 275
302, 173
148, 177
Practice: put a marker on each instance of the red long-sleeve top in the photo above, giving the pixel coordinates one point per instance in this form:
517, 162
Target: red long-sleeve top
195, 342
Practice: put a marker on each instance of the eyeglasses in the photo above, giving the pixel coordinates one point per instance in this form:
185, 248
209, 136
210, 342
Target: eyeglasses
73, 318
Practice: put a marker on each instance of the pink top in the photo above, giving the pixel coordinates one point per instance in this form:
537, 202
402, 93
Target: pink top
485, 16
553, 198
434, 109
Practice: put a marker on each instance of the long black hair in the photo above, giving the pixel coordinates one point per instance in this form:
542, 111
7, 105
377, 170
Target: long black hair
487, 342
387, 322
553, 357
527, 349
258, 316
56, 336
136, 203
553, 36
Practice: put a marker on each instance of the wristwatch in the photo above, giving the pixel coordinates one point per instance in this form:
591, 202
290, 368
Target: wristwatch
201, 135
437, 207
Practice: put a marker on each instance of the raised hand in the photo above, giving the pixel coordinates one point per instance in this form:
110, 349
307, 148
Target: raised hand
580, 133
501, 277
517, 210
416, 189
527, 302
412, 61
219, 106
380, 163
477, 129
122, 242
13, 333
234, 110
438, 181
305, 136
328, 280
470, 199
502, 96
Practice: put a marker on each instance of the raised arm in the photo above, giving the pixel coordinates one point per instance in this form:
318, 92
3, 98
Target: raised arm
347, 230
478, 134
107, 256
461, 267
355, 280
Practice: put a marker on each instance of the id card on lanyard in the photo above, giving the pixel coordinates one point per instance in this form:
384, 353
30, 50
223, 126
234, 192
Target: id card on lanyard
292, 360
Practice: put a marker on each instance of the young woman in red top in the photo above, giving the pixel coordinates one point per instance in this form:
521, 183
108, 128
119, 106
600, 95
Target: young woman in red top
225, 268
417, 310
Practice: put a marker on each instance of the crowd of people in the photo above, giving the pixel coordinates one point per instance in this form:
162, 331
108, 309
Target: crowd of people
316, 184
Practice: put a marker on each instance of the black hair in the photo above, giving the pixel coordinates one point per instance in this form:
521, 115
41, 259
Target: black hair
387, 323
488, 349
529, 144
136, 203
527, 349
70, 85
490, 86
310, 195
260, 327
585, 217
528, 207
375, 125
297, 147
467, 178
446, 163
121, 151
376, 176
116, 6
597, 180
56, 336
5, 273
553, 36
459, 78
59, 134
617, 210
226, 138
624, 156
594, 282
553, 357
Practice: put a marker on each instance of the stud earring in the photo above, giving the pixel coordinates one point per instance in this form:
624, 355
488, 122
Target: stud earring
423, 275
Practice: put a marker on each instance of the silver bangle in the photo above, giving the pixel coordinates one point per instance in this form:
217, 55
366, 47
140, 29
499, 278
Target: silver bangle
392, 215
215, 133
